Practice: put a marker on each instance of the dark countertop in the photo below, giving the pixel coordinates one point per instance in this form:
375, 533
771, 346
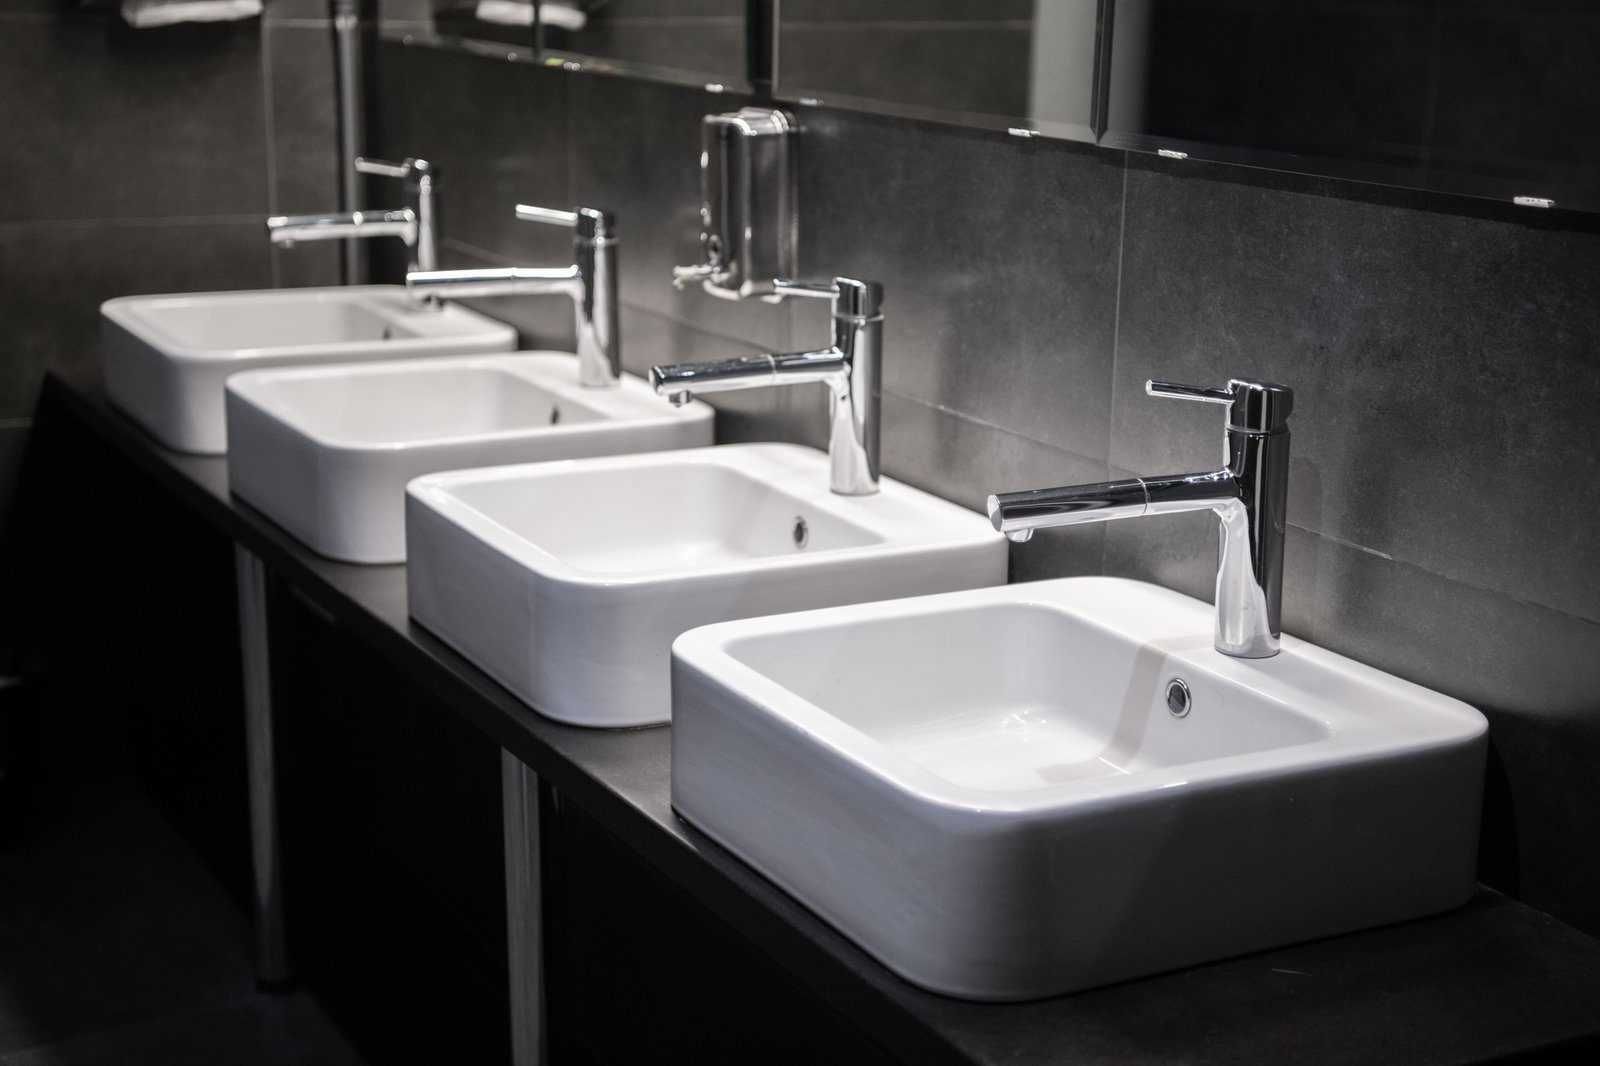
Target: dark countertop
1492, 979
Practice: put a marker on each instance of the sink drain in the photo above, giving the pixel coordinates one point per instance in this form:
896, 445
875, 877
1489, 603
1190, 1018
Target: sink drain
802, 532
1178, 699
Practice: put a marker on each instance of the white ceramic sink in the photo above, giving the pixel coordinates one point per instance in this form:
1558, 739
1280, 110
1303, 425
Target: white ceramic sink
326, 451
988, 791
167, 357
567, 582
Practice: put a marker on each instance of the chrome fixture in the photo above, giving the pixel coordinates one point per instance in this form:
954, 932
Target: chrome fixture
747, 205
416, 224
852, 369
1248, 495
591, 282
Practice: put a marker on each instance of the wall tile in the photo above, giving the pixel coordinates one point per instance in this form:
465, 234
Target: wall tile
798, 414
999, 264
305, 123
1443, 364
307, 263
979, 67
966, 461
163, 122
542, 322
58, 275
497, 133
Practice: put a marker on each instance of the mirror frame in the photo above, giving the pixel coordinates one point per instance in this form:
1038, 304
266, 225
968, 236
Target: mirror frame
1016, 125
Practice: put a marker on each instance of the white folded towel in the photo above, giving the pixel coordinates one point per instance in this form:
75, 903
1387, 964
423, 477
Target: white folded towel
564, 16
142, 14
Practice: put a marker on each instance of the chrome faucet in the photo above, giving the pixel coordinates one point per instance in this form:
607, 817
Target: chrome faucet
591, 282
852, 369
416, 224
1248, 495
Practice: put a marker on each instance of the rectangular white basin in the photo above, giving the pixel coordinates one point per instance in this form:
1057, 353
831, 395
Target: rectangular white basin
567, 582
326, 451
989, 791
166, 357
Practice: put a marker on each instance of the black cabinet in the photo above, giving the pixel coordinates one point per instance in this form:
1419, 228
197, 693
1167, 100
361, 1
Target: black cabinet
639, 971
393, 871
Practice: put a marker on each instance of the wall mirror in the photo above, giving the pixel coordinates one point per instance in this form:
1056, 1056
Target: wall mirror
1000, 64
490, 26
692, 42
1495, 98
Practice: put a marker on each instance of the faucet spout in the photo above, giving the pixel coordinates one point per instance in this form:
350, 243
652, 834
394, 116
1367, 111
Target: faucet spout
416, 224
827, 365
1248, 497
590, 282
508, 281
851, 368
288, 229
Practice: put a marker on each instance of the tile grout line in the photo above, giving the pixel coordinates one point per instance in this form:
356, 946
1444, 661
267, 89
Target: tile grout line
993, 426
653, 313
1441, 576
269, 132
1116, 303
1116, 332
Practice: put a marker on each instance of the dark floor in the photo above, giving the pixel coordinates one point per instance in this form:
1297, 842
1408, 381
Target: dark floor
118, 946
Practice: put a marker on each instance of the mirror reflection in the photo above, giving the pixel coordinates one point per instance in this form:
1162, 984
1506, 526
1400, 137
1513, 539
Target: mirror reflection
996, 63
1494, 98
494, 22
691, 41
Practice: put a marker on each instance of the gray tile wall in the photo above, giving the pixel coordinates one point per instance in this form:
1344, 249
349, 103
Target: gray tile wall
145, 161
881, 50
1445, 355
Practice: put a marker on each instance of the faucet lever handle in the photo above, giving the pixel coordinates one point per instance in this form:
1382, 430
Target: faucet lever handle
825, 290
548, 215
851, 298
588, 225
384, 169
1254, 406
1174, 391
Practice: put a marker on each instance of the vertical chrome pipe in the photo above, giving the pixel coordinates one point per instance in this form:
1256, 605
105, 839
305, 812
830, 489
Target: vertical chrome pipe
271, 955
853, 429
519, 792
598, 310
352, 128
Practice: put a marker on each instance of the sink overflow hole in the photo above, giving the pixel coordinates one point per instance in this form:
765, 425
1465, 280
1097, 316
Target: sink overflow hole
555, 415
802, 532
1178, 698
388, 334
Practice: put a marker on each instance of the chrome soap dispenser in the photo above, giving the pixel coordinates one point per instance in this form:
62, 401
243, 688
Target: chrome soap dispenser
748, 215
